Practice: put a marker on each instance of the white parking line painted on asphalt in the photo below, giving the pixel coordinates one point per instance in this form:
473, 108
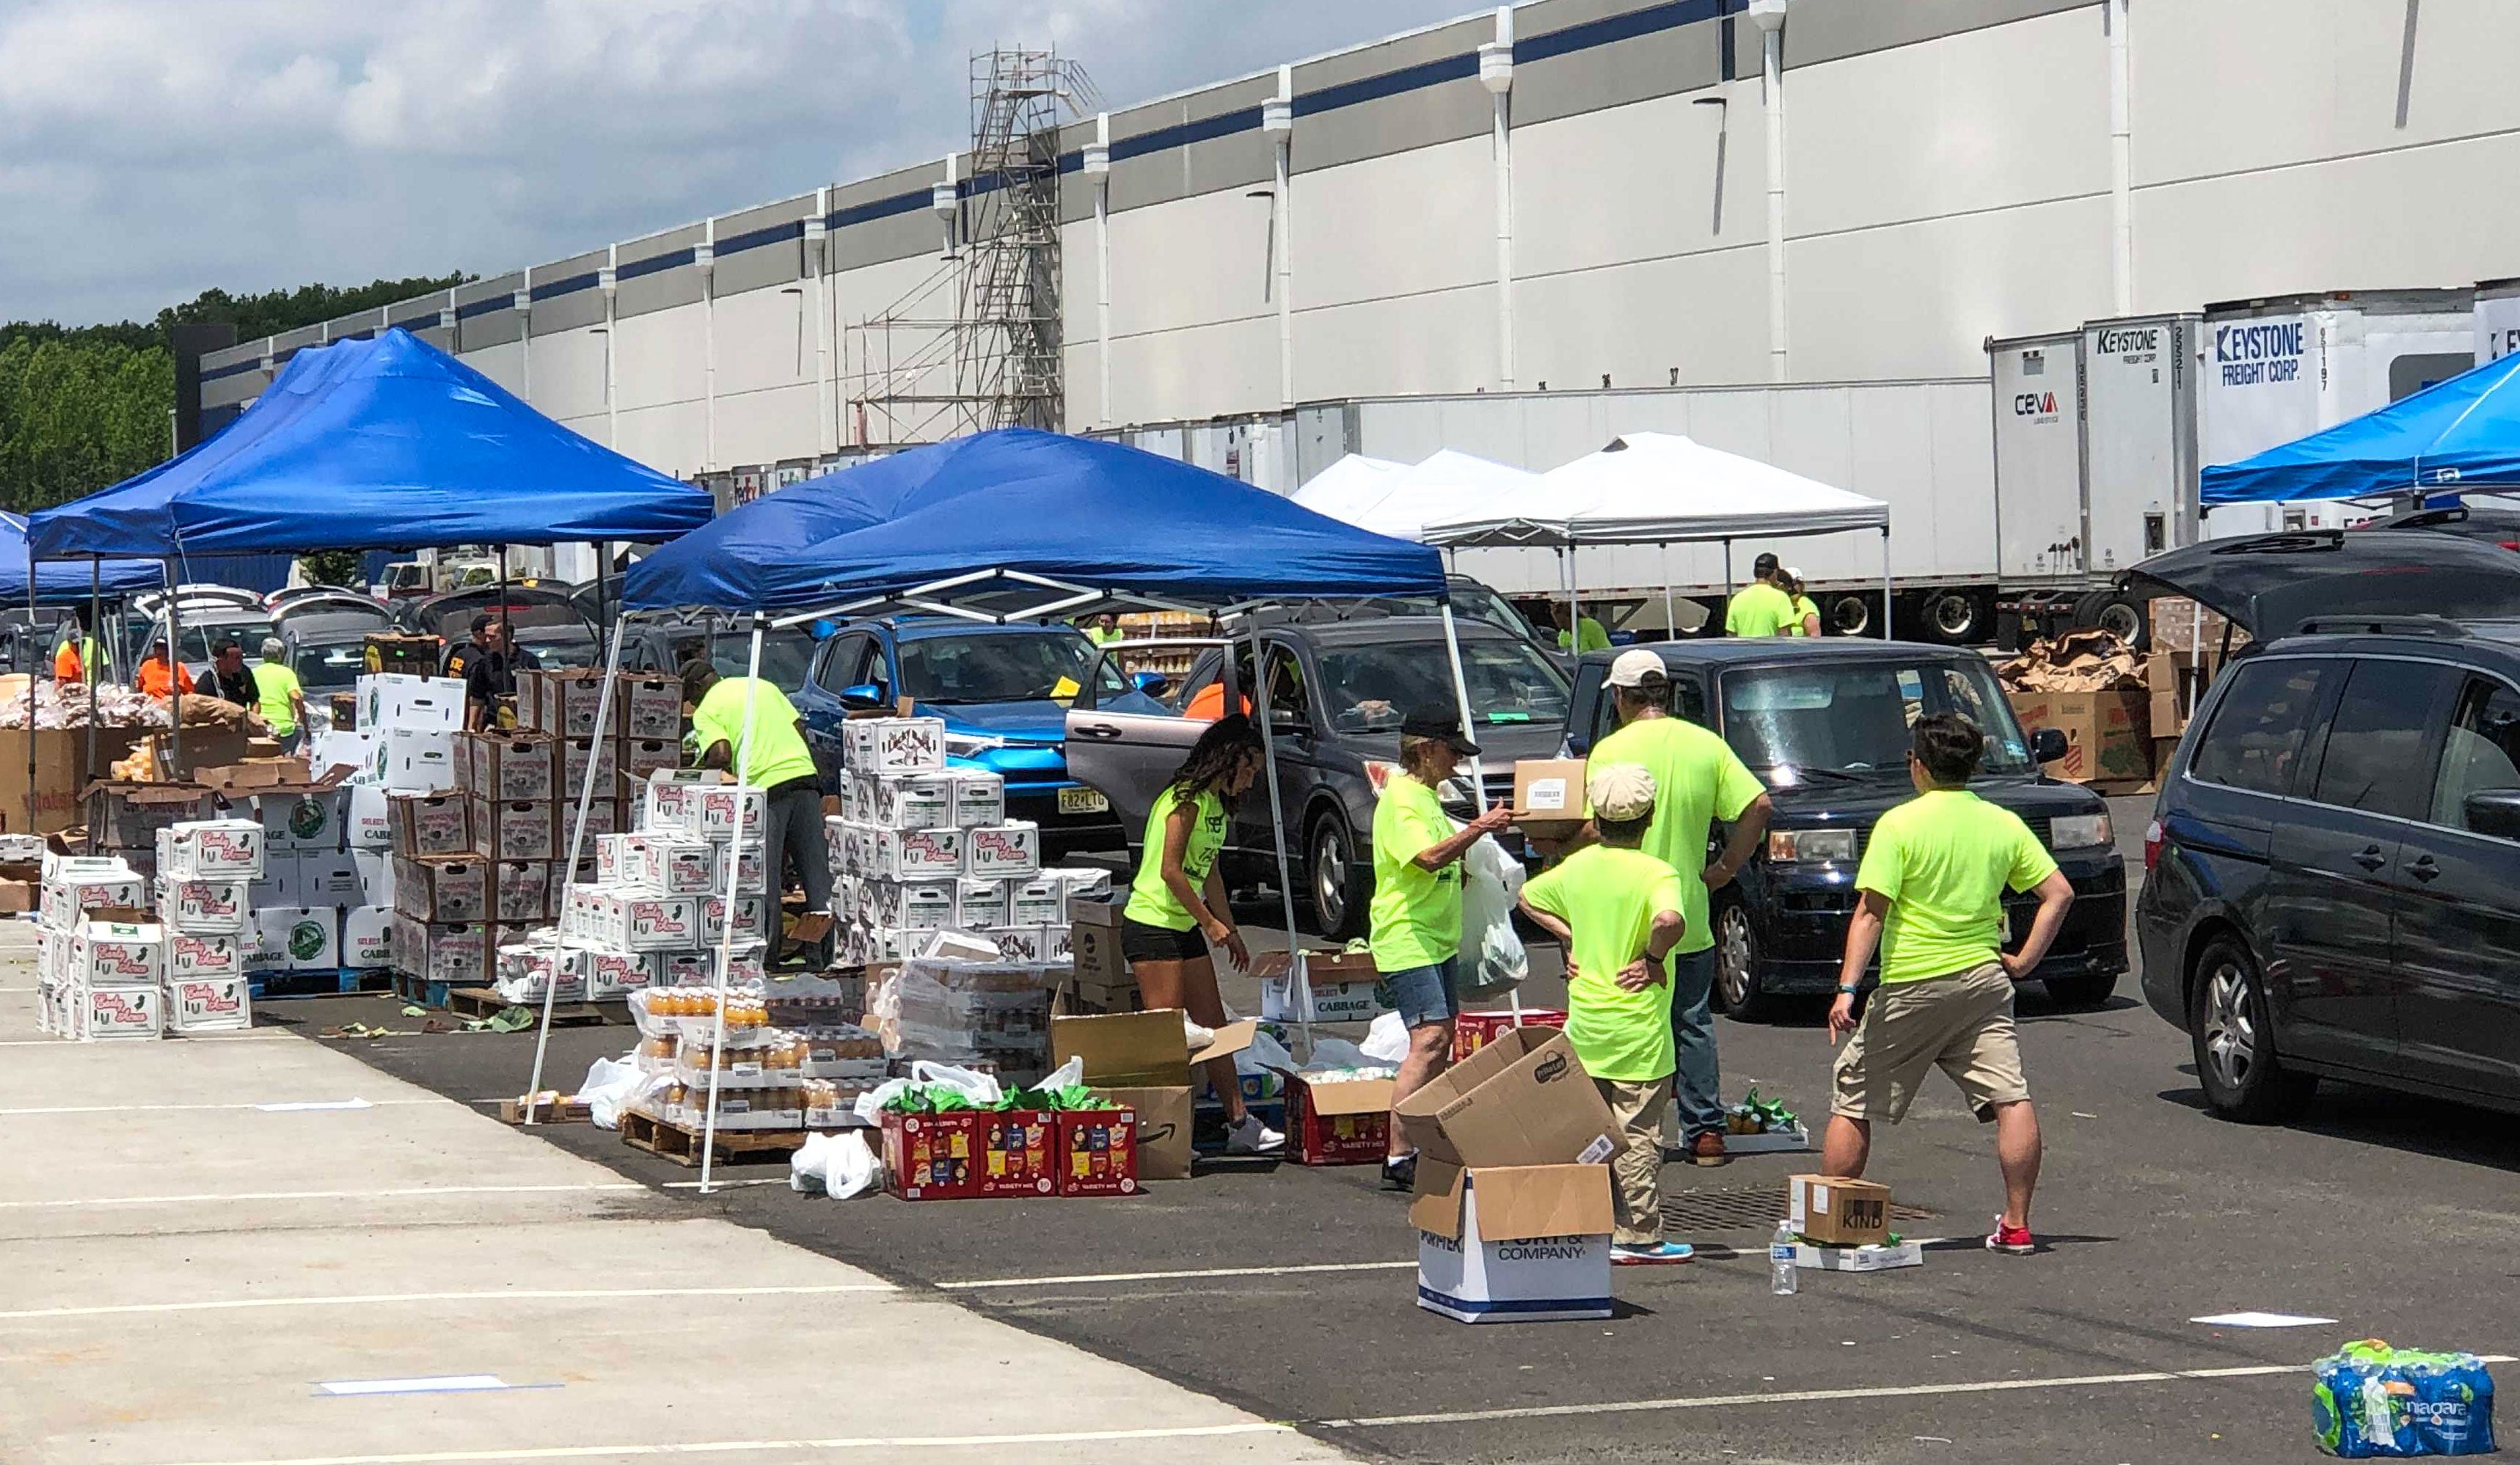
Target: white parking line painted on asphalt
1082, 1278
412, 1299
452, 1382
290, 1106
189, 1039
1827, 1396
783, 1446
316, 1195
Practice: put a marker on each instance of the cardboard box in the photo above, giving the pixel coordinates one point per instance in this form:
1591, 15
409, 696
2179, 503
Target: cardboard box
74, 896
1473, 1031
1549, 796
580, 755
915, 854
502, 766
441, 889
330, 878
979, 903
1008, 850
672, 863
520, 890
932, 1157
340, 747
1018, 1153
641, 756
2180, 624
1161, 1121
417, 760
17, 897
893, 745
1514, 1243
1034, 900
205, 953
651, 707
1521, 1101
629, 922
456, 953
603, 816
1097, 1151
119, 1012
367, 819
301, 817
429, 824
217, 849
2108, 734
1093, 945
1859, 1258
122, 816
207, 905
1340, 987
61, 770
391, 701
1837, 1211
117, 954
375, 876
904, 801
571, 699
1338, 1124
412, 656
367, 937
515, 829
205, 1003
1145, 1049
302, 938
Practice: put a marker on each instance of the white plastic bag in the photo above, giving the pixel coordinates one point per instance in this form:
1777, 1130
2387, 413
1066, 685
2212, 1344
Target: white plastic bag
1493, 959
609, 1083
853, 1169
1387, 1040
1265, 1053
810, 1167
1338, 1052
1070, 1073
980, 1088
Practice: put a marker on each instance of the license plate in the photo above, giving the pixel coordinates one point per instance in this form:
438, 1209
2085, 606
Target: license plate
1083, 801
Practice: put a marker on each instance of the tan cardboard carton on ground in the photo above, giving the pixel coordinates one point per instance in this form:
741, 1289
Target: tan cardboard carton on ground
2108, 734
1142, 1059
1838, 1212
1101, 973
1163, 1128
1549, 796
1516, 1202
1522, 1099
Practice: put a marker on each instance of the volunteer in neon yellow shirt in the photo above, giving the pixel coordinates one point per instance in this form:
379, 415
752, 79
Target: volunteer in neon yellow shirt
1698, 779
1762, 607
1415, 917
1588, 635
1933, 880
283, 699
1806, 611
775, 760
1616, 910
1176, 904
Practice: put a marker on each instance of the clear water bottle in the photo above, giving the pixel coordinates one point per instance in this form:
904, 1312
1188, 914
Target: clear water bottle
1785, 1278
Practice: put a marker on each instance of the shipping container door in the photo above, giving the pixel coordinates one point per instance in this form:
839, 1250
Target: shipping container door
2038, 455
2138, 434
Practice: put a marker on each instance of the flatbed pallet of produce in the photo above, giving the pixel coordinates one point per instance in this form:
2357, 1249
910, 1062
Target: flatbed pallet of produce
485, 1002
560, 1109
674, 1143
279, 986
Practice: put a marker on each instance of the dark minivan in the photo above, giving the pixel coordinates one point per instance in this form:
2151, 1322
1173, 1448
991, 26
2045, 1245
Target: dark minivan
1825, 725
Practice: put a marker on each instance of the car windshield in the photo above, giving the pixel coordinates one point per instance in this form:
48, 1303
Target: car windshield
1854, 717
331, 668
786, 655
995, 667
197, 640
1370, 689
1479, 602
558, 646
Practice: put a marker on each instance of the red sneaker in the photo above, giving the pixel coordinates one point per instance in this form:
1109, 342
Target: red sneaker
2012, 1241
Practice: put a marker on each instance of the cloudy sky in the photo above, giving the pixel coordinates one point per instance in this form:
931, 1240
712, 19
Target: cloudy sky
150, 149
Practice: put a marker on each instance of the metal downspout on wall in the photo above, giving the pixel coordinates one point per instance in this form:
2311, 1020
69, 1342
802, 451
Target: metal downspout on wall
1496, 74
1098, 169
1277, 120
608, 281
523, 301
704, 260
818, 252
2113, 15
1770, 17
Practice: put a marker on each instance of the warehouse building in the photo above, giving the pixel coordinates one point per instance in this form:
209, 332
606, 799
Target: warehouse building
1562, 195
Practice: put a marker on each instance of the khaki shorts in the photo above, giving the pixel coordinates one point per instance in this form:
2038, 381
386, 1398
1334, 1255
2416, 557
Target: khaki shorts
1961, 1024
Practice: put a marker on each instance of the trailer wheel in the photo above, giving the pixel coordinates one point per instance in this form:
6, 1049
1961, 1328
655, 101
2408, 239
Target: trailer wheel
2118, 612
1956, 617
1851, 616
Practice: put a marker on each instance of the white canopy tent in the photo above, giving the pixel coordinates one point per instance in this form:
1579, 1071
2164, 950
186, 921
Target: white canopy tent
1401, 501
1349, 489
1658, 488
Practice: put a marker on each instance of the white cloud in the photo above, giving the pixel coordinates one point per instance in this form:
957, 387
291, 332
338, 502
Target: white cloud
150, 149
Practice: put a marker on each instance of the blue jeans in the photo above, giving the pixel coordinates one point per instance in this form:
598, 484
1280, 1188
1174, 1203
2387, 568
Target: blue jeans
1698, 1085
1425, 994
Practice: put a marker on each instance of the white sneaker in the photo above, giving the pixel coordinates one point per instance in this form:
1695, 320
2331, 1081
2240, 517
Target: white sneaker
1252, 1137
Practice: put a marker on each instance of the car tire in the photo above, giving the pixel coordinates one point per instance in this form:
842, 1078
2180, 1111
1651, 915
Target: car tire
1339, 883
2234, 1042
1736, 967
2082, 994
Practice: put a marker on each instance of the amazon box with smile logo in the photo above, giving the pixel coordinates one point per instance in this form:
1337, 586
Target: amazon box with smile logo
1522, 1099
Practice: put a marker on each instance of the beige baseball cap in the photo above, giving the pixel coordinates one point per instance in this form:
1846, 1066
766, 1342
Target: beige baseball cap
1621, 791
1631, 668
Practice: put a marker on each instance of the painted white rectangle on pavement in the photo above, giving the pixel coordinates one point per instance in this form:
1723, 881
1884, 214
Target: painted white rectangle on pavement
306, 1105
2262, 1320
454, 1383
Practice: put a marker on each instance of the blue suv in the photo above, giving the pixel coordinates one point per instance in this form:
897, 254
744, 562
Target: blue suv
1003, 691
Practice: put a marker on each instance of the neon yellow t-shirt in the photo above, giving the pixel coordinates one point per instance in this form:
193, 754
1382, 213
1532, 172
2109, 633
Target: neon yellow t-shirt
1945, 858
777, 752
1415, 917
1804, 610
1697, 779
1609, 899
1588, 636
275, 682
1151, 901
1759, 610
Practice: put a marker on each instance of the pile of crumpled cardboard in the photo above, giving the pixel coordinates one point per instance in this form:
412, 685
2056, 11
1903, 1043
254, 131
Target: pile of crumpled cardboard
2076, 661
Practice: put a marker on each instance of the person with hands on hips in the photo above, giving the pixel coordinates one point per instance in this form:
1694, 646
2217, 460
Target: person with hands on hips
1176, 904
1933, 878
1416, 916
1617, 910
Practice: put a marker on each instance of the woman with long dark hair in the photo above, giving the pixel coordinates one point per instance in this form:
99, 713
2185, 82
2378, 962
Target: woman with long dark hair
1176, 904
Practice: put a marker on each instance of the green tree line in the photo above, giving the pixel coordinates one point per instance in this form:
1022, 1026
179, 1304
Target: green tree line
85, 407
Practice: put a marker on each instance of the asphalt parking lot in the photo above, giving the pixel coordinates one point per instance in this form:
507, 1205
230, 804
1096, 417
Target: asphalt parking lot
1288, 1291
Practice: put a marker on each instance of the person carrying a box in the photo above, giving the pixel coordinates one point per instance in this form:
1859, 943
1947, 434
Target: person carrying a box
1176, 904
1933, 878
775, 760
1415, 917
1699, 778
1617, 910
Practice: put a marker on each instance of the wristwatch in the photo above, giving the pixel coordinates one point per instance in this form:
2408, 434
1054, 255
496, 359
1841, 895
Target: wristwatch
1845, 991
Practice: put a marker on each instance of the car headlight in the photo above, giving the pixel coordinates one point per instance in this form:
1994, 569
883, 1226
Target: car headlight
1810, 846
2081, 831
966, 745
1379, 773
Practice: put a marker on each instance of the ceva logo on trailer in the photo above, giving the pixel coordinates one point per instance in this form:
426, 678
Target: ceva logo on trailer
2039, 407
2252, 355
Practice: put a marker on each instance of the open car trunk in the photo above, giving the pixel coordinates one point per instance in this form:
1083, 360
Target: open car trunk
2270, 584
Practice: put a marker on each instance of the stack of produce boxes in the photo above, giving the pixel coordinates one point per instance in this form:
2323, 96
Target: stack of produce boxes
100, 960
207, 871
920, 847
404, 745
314, 907
656, 909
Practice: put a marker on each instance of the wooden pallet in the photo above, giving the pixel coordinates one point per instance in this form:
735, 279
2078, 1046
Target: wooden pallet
485, 1001
683, 1146
569, 1110
278, 986
420, 990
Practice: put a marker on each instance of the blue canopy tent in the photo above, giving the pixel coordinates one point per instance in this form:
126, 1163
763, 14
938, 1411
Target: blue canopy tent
1018, 524
2455, 435
58, 583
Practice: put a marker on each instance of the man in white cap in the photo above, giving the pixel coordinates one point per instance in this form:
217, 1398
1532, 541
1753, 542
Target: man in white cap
1618, 912
1699, 779
1805, 612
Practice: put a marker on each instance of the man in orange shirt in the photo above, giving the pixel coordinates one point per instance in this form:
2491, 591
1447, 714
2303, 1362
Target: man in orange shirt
78, 649
160, 678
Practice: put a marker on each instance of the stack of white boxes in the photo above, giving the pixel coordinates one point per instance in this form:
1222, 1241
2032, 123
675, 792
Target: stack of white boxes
405, 743
655, 911
920, 847
96, 978
206, 872
323, 900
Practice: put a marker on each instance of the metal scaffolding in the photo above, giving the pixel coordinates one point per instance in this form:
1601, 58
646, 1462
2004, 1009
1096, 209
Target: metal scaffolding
1002, 345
